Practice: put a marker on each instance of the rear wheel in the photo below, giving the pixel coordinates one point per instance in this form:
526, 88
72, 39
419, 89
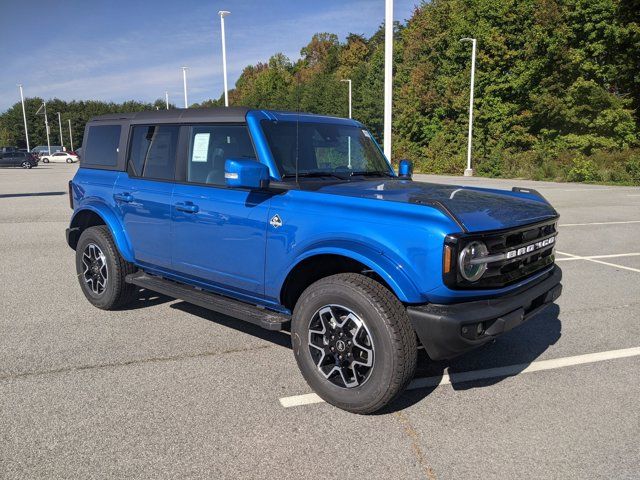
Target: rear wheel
353, 342
102, 270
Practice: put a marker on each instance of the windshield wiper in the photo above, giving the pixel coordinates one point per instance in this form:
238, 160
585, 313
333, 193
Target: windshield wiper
374, 174
315, 175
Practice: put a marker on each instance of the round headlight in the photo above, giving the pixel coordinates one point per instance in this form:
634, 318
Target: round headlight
470, 261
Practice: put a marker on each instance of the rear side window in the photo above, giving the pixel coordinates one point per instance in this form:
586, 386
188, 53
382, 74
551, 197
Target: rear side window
102, 145
153, 151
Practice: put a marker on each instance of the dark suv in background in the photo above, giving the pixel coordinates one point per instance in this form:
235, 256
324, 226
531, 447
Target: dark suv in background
18, 159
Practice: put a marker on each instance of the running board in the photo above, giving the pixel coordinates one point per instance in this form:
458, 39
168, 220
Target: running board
244, 311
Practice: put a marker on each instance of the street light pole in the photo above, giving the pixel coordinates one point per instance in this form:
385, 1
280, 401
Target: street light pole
184, 84
388, 75
469, 171
224, 13
24, 117
348, 80
70, 135
166, 99
60, 126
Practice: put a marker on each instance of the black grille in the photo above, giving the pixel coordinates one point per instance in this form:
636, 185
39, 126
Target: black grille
506, 271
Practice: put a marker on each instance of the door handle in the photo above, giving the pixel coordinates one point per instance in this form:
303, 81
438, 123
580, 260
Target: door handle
123, 197
187, 207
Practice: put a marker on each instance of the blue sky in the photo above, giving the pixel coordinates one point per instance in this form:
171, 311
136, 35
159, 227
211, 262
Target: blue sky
117, 50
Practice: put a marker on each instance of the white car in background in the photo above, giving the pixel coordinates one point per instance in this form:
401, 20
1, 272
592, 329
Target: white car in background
59, 157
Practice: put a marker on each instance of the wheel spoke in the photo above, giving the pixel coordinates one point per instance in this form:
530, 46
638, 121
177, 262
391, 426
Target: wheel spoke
95, 271
341, 346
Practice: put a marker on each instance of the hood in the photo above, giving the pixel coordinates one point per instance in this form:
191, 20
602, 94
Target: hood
477, 209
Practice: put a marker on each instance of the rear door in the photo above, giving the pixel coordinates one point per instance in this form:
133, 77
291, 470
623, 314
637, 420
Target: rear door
143, 193
219, 233
6, 159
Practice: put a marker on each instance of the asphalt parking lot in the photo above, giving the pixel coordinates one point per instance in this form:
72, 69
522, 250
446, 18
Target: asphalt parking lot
168, 390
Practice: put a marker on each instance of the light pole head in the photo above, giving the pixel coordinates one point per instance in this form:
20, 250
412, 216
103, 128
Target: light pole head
467, 39
224, 13
348, 80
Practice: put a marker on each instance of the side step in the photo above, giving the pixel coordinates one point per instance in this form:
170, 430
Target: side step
250, 313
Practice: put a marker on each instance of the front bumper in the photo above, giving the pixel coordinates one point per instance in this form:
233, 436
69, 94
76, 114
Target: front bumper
447, 331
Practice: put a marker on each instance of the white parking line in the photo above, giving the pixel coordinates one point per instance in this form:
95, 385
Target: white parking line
589, 259
597, 223
507, 371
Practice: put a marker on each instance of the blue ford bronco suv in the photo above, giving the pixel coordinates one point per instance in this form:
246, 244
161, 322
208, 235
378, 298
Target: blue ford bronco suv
298, 222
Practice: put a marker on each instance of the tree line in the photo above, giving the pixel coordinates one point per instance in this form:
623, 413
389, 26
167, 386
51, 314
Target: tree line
557, 91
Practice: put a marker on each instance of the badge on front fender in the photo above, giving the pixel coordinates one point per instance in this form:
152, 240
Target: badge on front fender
276, 221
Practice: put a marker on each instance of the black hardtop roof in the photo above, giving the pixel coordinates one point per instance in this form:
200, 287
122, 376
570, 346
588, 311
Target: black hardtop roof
225, 114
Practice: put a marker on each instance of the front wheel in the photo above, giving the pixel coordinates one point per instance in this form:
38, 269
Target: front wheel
26, 165
69, 160
45, 160
353, 342
101, 270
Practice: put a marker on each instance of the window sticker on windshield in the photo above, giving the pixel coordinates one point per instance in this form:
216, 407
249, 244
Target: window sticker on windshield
366, 134
200, 147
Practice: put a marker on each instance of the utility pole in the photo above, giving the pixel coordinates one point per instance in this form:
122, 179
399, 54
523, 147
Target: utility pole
469, 171
60, 126
224, 13
388, 75
46, 125
24, 117
184, 84
70, 136
166, 99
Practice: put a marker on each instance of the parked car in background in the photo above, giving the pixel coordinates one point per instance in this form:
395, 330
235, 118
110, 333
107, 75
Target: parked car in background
18, 159
59, 157
8, 149
44, 149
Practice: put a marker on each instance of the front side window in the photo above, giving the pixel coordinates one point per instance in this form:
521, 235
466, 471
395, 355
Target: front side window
153, 151
210, 146
323, 148
102, 145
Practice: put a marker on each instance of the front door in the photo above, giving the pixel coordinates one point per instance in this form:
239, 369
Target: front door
219, 233
143, 193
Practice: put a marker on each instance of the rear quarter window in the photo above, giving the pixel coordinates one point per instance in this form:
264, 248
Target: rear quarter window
102, 146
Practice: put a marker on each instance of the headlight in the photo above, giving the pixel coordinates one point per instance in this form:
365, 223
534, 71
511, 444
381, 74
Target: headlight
470, 261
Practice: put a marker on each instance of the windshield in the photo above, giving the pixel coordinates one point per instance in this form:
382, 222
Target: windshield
340, 150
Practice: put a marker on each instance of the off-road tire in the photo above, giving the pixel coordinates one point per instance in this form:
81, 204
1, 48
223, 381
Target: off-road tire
117, 293
394, 341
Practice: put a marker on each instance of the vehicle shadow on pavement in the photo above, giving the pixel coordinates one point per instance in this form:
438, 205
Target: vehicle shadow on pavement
280, 338
147, 298
519, 347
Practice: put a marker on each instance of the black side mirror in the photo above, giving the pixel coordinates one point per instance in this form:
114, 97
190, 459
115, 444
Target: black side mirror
405, 169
